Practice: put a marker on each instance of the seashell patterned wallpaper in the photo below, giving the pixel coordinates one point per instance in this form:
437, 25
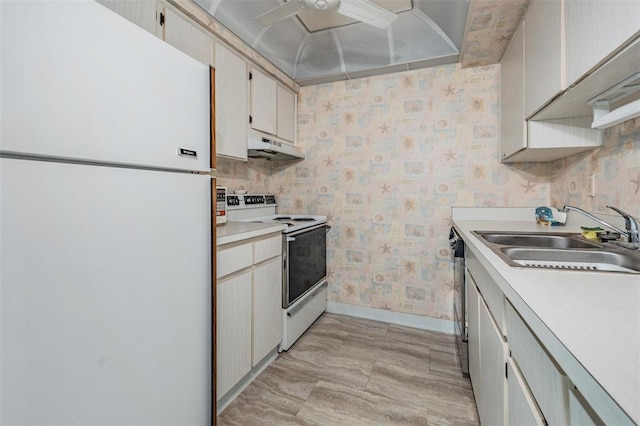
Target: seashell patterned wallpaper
387, 157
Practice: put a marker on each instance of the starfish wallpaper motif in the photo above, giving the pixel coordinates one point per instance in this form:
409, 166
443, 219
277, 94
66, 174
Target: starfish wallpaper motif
616, 167
389, 202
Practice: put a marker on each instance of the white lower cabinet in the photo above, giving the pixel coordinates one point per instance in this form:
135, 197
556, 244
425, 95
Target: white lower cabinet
546, 380
248, 310
493, 351
522, 409
267, 308
516, 380
487, 354
233, 331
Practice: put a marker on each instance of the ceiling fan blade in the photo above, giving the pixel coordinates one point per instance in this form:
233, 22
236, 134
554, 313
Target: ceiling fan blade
367, 12
290, 8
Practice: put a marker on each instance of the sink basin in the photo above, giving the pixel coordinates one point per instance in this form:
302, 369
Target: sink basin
560, 251
539, 240
584, 260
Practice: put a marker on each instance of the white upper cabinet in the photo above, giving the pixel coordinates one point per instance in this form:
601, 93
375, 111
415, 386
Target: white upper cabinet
543, 54
545, 114
273, 107
143, 13
181, 34
513, 129
263, 102
166, 24
286, 114
595, 29
232, 110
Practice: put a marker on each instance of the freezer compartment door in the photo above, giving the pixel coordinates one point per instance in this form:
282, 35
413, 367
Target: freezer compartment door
105, 295
79, 81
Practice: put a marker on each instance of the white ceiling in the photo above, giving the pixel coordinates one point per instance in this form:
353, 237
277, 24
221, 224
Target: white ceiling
427, 33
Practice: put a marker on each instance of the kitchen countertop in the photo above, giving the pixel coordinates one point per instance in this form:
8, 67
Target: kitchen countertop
232, 232
588, 321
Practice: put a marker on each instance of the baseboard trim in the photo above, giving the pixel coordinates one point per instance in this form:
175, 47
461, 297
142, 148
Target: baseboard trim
399, 318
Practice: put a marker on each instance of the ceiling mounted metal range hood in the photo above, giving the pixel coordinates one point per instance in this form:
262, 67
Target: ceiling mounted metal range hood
269, 149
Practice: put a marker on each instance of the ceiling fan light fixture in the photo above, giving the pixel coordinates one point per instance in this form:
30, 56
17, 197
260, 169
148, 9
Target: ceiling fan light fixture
321, 4
284, 11
360, 10
367, 12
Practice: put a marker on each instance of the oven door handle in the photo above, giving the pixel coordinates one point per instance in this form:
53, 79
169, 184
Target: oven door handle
303, 301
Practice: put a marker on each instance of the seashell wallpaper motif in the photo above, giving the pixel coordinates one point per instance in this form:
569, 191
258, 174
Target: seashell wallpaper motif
387, 157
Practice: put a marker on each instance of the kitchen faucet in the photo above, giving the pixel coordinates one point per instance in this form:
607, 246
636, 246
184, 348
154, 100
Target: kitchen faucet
631, 224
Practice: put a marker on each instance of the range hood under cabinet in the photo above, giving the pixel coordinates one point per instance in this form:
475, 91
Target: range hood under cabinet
618, 75
271, 149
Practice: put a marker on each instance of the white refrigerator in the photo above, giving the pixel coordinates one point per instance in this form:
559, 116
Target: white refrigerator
105, 222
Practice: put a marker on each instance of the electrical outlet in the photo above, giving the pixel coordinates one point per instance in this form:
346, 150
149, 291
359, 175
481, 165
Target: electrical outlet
591, 185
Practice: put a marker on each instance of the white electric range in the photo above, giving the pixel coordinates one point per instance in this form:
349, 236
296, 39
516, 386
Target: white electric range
304, 260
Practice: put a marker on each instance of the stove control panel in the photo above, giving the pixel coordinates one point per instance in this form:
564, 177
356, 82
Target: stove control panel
250, 201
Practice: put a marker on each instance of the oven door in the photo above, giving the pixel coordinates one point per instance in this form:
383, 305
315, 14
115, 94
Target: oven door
305, 262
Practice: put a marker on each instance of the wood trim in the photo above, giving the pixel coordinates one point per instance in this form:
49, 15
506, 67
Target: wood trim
212, 91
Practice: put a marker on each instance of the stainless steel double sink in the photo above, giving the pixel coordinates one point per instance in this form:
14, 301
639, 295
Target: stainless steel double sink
560, 251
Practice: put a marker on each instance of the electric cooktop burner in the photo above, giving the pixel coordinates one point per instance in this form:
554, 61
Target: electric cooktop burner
261, 208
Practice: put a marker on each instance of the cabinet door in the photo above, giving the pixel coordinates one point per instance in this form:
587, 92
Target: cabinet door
513, 133
547, 382
140, 12
474, 333
493, 350
544, 54
286, 115
522, 409
267, 308
181, 34
233, 331
263, 102
594, 29
232, 110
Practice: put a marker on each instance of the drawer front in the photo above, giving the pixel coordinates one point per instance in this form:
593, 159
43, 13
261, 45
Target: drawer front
233, 259
267, 248
547, 382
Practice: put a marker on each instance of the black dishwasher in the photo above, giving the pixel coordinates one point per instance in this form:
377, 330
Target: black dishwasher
459, 300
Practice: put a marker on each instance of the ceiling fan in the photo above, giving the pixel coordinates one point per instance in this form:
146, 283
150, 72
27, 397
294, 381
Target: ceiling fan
360, 10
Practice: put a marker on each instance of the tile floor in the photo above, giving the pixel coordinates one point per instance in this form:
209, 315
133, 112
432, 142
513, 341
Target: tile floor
349, 371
